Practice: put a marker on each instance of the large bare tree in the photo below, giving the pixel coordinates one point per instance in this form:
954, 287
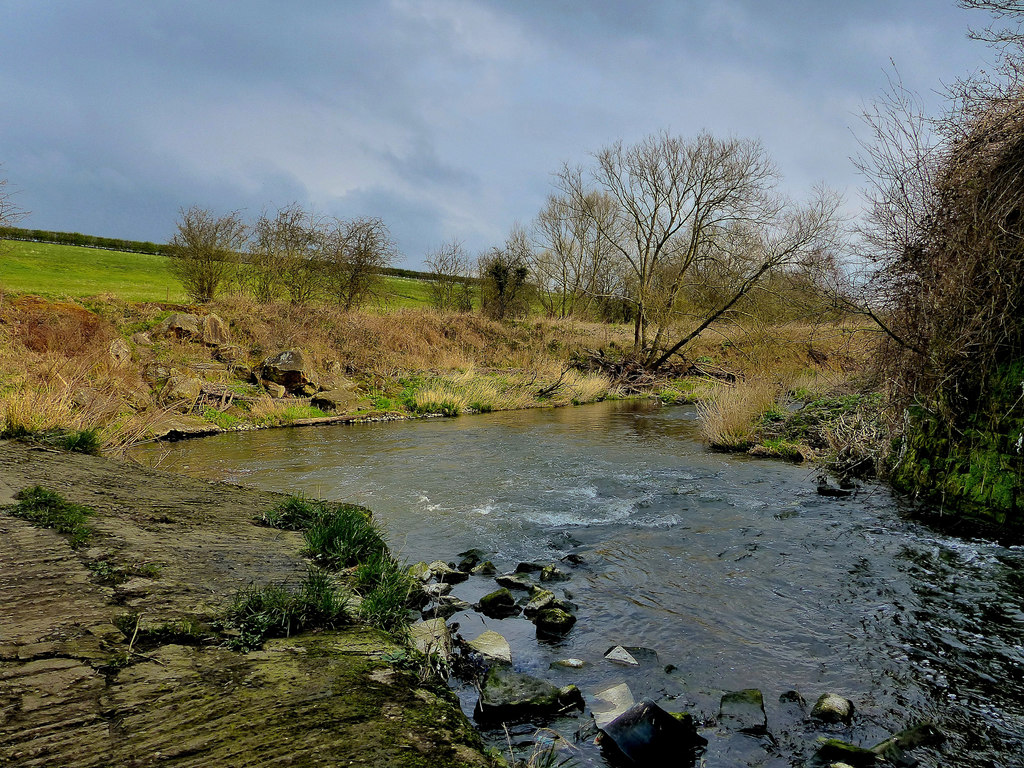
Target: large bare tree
205, 250
681, 207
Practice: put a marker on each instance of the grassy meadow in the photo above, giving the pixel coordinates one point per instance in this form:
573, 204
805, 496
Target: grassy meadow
73, 272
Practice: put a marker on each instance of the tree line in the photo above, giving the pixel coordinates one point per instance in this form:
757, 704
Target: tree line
289, 253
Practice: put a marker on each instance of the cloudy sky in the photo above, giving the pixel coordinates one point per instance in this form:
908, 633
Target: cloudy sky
446, 118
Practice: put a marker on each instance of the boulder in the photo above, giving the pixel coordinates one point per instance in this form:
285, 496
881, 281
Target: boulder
431, 637
182, 326
274, 390
142, 339
215, 331
292, 370
923, 734
183, 390
499, 604
554, 622
614, 700
486, 568
229, 354
508, 696
833, 708
120, 352
445, 574
647, 735
493, 647
338, 400
744, 711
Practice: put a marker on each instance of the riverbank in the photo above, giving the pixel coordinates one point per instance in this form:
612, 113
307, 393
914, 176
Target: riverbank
121, 671
104, 374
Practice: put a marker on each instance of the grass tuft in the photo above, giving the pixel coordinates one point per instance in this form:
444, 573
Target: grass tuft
275, 610
48, 509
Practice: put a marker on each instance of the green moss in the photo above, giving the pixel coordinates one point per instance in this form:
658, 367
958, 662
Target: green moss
48, 509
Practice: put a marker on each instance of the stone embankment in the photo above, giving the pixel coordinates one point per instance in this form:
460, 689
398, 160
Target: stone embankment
97, 671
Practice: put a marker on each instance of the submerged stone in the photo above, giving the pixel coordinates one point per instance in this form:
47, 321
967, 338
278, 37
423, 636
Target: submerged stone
923, 734
648, 736
832, 750
569, 663
833, 708
744, 711
499, 604
528, 567
508, 696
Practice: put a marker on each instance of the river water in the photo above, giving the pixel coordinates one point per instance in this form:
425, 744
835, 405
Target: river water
732, 569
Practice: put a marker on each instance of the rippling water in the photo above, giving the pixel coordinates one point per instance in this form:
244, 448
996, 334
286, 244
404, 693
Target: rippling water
733, 569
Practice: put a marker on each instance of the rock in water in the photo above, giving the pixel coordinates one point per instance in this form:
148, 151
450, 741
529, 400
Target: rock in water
507, 696
499, 604
620, 655
445, 574
614, 701
539, 601
744, 711
431, 637
486, 568
554, 622
833, 708
553, 573
493, 647
516, 581
646, 736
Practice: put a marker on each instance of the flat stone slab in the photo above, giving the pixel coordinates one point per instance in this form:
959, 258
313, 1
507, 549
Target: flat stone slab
614, 700
493, 647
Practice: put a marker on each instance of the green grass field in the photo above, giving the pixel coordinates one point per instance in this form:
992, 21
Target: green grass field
69, 271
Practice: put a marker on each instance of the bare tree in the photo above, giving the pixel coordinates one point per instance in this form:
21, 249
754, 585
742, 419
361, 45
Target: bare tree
449, 277
352, 255
206, 250
572, 257
681, 207
284, 254
1011, 10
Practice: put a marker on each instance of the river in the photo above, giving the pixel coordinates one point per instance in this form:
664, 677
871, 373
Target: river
734, 570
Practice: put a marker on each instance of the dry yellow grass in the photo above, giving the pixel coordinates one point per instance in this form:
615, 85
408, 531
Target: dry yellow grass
728, 418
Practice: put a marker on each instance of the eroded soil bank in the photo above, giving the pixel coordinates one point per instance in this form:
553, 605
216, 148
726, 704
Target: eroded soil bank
75, 690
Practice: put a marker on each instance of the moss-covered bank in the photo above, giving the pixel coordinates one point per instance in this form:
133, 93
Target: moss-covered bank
107, 656
974, 469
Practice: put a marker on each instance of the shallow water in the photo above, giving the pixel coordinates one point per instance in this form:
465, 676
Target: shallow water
733, 569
